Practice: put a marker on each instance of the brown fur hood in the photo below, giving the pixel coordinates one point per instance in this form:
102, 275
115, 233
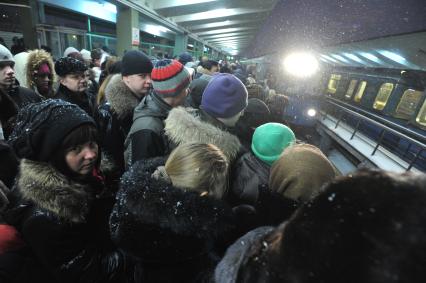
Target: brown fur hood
184, 125
120, 97
34, 60
50, 190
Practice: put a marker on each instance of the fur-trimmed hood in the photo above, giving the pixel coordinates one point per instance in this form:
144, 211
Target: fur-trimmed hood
34, 60
184, 125
120, 97
163, 224
50, 190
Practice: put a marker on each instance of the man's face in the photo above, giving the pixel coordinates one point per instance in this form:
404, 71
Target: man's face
75, 82
139, 84
7, 74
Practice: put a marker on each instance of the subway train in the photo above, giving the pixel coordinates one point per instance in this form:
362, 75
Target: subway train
387, 105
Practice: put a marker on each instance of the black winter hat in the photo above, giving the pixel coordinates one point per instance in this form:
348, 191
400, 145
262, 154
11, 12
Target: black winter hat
135, 62
69, 65
41, 127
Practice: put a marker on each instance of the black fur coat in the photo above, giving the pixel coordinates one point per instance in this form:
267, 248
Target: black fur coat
179, 235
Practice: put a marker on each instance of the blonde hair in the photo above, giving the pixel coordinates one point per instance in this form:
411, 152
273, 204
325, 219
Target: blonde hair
200, 167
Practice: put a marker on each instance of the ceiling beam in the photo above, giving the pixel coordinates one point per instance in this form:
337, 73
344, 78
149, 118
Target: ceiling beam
228, 35
226, 23
221, 31
217, 13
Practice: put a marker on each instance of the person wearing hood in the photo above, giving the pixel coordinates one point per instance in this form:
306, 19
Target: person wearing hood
364, 227
170, 80
40, 73
73, 84
172, 217
222, 104
9, 86
123, 92
60, 205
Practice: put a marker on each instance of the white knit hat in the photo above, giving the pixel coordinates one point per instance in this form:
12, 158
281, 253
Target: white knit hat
86, 54
70, 50
5, 54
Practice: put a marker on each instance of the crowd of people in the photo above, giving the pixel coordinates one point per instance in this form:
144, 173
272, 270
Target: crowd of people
134, 170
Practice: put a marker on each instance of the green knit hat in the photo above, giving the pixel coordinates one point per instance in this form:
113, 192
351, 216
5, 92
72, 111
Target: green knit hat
269, 141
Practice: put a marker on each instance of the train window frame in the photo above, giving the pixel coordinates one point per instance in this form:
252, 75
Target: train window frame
351, 88
421, 116
383, 95
404, 111
333, 83
360, 91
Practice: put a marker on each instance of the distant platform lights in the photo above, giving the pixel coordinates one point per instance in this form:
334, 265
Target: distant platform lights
302, 64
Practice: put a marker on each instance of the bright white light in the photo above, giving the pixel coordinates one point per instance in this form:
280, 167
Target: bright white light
155, 30
393, 56
370, 57
190, 45
110, 7
301, 64
353, 57
329, 58
311, 112
340, 58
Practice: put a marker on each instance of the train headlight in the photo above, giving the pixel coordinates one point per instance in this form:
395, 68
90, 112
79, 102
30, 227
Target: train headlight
301, 64
311, 112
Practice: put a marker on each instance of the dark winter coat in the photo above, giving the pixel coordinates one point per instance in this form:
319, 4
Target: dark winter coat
146, 136
248, 173
179, 235
23, 96
188, 125
8, 110
116, 119
196, 89
65, 225
8, 164
82, 99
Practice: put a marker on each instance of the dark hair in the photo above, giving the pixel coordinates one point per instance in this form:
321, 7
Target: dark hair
80, 135
368, 227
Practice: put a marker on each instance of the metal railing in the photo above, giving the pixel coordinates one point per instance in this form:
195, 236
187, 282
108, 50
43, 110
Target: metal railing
383, 124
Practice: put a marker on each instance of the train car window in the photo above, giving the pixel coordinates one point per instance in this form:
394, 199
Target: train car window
421, 118
351, 89
408, 104
360, 91
383, 96
333, 83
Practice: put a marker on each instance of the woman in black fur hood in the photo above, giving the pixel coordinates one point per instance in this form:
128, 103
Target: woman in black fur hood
60, 204
172, 217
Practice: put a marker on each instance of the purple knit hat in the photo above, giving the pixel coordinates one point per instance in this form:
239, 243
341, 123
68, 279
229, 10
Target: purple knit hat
225, 96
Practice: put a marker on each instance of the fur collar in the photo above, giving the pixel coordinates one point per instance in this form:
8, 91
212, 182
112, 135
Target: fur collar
184, 125
120, 97
49, 189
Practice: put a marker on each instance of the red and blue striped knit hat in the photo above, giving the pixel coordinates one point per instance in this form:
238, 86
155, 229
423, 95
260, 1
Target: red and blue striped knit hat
169, 77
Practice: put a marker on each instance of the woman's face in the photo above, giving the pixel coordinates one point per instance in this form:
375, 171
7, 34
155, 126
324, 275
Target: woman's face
82, 159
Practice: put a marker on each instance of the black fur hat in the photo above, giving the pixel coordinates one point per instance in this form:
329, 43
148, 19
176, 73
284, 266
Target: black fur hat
68, 65
41, 127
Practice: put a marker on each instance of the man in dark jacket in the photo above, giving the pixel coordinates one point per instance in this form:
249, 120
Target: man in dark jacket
123, 93
170, 81
21, 96
73, 84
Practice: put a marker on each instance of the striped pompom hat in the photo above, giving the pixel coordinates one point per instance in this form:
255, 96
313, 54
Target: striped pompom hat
169, 78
